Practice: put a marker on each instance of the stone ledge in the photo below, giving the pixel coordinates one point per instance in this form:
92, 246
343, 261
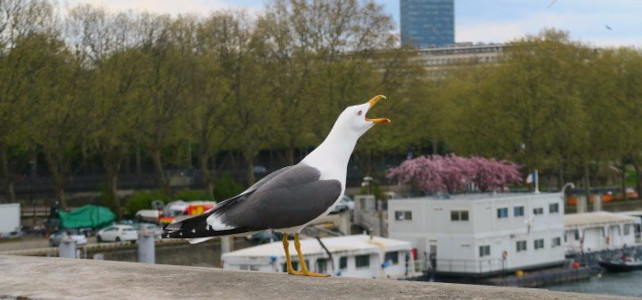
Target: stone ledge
55, 278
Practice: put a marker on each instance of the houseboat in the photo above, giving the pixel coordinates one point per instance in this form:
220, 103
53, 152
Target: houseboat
360, 256
478, 235
599, 231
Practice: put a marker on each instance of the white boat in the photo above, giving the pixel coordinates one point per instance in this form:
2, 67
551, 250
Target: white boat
360, 256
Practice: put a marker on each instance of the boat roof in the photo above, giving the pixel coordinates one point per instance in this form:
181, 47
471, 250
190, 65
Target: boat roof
597, 218
346, 244
484, 196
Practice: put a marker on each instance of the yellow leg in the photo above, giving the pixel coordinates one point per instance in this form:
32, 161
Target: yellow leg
286, 247
304, 268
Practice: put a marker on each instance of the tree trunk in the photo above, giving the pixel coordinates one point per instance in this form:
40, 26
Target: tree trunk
113, 190
638, 181
206, 173
369, 162
289, 156
251, 179
587, 183
56, 168
139, 164
7, 176
560, 175
163, 183
112, 161
623, 179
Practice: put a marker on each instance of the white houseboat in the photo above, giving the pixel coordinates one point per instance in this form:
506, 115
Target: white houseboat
351, 256
481, 234
598, 231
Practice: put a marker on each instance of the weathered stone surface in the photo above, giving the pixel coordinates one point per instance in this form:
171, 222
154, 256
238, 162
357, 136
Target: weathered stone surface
55, 278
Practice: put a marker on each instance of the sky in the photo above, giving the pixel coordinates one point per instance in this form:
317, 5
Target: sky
599, 23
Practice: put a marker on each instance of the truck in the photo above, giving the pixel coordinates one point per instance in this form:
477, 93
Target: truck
179, 210
9, 219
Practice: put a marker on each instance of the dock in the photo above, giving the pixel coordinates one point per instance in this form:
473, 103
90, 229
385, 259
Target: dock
56, 278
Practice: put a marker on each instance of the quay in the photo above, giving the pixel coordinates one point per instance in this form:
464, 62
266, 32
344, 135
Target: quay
57, 278
89, 249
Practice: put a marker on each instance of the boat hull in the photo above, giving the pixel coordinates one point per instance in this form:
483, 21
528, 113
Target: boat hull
621, 266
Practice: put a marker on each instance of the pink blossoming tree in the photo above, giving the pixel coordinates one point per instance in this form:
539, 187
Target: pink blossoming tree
452, 173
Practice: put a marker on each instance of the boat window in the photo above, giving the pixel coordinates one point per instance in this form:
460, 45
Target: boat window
392, 257
518, 211
556, 242
502, 213
577, 235
322, 265
627, 229
343, 262
538, 211
521, 246
362, 261
539, 244
553, 208
459, 215
484, 251
403, 215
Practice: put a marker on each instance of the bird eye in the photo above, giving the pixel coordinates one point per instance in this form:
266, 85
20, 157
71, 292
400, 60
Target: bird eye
359, 113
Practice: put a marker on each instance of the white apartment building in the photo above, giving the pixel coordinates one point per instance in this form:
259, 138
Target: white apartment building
481, 233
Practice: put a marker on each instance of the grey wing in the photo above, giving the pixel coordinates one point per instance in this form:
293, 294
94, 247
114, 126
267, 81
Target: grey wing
294, 197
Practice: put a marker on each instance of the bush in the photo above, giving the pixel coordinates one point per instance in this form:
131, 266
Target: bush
143, 200
225, 187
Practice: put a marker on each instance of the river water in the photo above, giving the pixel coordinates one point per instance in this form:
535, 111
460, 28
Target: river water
621, 284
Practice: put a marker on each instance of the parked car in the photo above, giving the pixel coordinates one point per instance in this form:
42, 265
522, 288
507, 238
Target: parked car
117, 233
265, 236
58, 236
345, 204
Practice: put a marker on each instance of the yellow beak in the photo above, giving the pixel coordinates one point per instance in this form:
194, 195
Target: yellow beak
372, 103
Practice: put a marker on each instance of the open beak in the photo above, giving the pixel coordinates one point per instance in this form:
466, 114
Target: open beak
372, 103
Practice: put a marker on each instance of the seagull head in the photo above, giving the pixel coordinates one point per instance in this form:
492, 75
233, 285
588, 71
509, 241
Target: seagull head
354, 118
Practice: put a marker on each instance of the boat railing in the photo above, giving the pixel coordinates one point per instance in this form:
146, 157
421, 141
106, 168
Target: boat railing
469, 265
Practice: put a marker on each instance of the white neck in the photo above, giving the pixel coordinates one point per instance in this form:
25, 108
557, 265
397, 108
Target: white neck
332, 156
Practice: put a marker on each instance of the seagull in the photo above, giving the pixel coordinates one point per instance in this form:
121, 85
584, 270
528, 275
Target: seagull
290, 198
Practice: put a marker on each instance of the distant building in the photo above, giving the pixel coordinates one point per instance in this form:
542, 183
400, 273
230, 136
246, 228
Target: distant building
478, 235
598, 231
439, 61
427, 23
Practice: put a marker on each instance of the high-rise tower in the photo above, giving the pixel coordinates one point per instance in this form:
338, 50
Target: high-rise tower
428, 23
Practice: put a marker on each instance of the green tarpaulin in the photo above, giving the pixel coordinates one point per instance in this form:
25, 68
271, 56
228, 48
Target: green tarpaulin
88, 216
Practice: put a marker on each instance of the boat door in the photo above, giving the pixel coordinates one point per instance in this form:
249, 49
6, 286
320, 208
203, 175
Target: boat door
432, 255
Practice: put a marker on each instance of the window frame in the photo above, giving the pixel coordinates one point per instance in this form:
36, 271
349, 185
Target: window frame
361, 259
515, 209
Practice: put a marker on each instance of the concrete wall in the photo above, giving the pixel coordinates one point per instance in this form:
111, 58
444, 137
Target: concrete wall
57, 278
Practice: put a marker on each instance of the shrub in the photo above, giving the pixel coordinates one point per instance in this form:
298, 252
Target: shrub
143, 200
225, 187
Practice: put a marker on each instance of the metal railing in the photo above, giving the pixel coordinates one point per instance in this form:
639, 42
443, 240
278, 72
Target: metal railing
469, 265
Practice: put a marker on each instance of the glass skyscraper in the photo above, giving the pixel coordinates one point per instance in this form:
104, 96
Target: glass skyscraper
428, 23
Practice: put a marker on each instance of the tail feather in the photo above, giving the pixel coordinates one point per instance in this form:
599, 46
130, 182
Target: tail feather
207, 225
201, 228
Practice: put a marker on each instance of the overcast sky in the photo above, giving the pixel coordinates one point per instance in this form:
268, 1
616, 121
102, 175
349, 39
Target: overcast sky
595, 22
